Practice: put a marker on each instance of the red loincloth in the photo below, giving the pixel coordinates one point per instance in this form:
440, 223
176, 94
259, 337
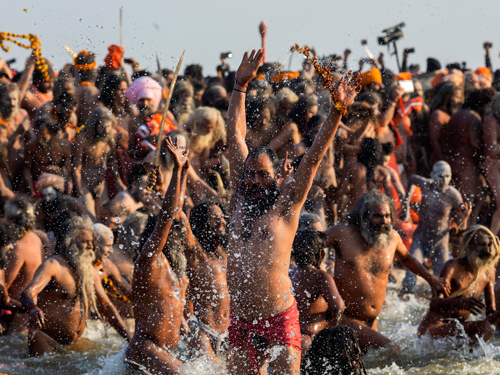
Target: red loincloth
282, 329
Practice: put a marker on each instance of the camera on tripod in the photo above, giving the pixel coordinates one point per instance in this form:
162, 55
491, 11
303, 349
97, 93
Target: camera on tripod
392, 34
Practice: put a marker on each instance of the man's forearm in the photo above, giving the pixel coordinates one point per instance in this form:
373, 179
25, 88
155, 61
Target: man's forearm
412, 264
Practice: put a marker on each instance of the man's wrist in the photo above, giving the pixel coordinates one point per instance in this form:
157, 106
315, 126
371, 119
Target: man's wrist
240, 88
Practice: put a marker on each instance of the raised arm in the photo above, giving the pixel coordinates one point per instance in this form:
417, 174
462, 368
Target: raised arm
158, 239
413, 180
297, 186
236, 121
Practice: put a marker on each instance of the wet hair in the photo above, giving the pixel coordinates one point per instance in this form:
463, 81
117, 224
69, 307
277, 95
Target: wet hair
255, 108
440, 94
334, 351
52, 126
307, 219
21, 213
271, 154
299, 111
309, 247
62, 80
387, 148
369, 97
6, 238
194, 71
100, 114
211, 95
66, 100
370, 153
182, 88
107, 95
477, 100
364, 206
198, 219
138, 170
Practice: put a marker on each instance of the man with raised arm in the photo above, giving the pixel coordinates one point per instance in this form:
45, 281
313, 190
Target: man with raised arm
266, 208
156, 290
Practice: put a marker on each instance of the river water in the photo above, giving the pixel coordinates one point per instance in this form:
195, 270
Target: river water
101, 353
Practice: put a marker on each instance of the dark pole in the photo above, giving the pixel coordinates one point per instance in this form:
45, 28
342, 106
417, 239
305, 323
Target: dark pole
397, 56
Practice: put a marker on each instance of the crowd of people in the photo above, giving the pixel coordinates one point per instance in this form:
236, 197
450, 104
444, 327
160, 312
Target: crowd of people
268, 229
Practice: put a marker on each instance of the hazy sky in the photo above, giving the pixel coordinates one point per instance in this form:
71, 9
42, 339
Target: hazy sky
450, 30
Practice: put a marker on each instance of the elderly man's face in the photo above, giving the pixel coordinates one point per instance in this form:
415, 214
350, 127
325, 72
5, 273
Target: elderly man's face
483, 246
10, 101
207, 125
104, 247
146, 106
380, 216
85, 241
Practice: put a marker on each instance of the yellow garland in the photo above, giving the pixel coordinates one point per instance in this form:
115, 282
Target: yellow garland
112, 291
35, 45
325, 74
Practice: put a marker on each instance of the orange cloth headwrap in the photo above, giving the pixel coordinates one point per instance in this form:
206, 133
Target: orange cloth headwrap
113, 59
484, 71
282, 77
371, 76
438, 77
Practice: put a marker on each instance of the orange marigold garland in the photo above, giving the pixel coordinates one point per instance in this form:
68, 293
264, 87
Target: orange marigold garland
325, 74
35, 45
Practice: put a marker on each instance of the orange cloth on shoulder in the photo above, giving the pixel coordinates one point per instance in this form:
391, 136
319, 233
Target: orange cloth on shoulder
113, 59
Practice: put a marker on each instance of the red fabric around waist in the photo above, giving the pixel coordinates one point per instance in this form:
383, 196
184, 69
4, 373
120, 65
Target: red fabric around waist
282, 329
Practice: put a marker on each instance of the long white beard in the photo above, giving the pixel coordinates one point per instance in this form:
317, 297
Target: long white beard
376, 240
82, 262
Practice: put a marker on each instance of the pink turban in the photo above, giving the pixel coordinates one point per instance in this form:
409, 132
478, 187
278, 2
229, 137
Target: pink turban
144, 87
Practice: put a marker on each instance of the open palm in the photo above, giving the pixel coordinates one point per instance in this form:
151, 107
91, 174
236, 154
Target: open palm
249, 66
347, 88
180, 157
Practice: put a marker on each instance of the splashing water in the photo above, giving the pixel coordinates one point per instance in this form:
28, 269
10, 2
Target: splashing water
101, 350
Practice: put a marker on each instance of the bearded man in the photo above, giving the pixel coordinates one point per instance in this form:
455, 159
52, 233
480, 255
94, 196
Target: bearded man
47, 153
469, 275
65, 286
94, 153
440, 203
62, 111
146, 94
16, 122
365, 250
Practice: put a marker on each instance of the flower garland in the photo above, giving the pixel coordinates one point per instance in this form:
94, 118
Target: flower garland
110, 289
325, 74
35, 45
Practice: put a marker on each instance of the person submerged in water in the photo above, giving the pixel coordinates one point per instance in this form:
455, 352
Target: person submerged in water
469, 275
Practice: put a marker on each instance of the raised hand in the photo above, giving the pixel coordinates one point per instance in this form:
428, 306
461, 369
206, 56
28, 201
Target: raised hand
249, 66
180, 157
347, 88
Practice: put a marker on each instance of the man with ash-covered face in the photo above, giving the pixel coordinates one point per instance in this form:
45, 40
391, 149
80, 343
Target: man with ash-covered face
470, 275
440, 203
365, 250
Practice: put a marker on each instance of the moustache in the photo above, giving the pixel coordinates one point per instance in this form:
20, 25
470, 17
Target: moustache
381, 227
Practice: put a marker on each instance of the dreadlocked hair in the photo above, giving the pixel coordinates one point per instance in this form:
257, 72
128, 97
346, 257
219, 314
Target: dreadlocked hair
334, 351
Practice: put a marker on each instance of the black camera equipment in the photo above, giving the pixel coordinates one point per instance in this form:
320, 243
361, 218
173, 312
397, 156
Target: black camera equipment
392, 35
409, 50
